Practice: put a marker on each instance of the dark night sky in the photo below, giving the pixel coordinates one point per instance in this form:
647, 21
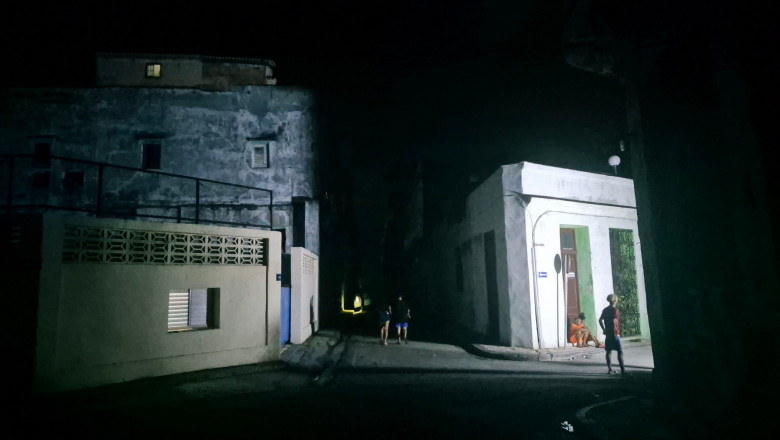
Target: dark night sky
53, 42
475, 83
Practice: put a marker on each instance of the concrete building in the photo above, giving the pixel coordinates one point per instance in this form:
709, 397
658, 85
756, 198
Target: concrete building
138, 151
190, 71
199, 179
498, 270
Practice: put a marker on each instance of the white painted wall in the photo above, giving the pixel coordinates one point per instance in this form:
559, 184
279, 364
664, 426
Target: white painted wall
534, 213
519, 219
304, 294
549, 216
102, 323
546, 181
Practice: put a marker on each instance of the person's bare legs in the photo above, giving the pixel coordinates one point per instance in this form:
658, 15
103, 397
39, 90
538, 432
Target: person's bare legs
405, 329
609, 362
398, 327
585, 338
620, 361
578, 338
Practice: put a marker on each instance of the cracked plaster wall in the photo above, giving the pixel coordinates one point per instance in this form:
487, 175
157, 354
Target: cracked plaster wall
204, 135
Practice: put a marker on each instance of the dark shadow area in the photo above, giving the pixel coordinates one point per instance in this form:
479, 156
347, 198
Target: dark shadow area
424, 326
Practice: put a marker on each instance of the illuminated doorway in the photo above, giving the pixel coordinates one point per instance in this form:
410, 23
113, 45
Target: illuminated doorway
570, 284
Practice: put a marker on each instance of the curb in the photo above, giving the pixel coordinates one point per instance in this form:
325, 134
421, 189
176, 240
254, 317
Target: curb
515, 355
524, 354
315, 355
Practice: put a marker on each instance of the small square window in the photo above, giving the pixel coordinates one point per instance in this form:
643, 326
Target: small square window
152, 152
42, 154
73, 180
153, 70
260, 151
193, 309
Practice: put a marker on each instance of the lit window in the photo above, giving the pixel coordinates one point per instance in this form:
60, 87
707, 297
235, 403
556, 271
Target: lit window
153, 70
193, 309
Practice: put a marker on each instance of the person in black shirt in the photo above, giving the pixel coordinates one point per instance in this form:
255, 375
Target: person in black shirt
610, 324
401, 316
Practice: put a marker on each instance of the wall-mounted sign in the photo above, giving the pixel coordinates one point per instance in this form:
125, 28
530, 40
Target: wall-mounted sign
542, 274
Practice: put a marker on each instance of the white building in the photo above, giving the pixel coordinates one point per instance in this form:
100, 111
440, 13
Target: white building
498, 265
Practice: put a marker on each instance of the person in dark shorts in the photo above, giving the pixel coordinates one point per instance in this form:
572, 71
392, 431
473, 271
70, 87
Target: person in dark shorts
610, 324
384, 323
401, 316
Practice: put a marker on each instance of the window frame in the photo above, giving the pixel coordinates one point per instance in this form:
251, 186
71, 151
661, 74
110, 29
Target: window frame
149, 70
211, 319
149, 143
265, 162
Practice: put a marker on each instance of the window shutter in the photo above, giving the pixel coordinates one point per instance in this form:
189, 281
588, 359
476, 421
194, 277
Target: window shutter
178, 309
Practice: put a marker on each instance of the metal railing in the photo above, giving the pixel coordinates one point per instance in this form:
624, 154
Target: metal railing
107, 190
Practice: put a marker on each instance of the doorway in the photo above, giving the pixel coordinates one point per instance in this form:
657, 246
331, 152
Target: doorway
570, 276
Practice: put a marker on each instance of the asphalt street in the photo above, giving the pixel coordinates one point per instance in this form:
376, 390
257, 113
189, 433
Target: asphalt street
356, 388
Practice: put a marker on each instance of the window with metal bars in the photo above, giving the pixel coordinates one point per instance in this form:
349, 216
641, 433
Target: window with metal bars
193, 309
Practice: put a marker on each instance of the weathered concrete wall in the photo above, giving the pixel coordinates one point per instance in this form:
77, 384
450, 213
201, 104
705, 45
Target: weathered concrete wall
224, 75
102, 323
116, 70
465, 241
203, 134
313, 226
175, 72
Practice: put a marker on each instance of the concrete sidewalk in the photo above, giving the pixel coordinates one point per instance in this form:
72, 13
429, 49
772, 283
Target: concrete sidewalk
638, 353
325, 348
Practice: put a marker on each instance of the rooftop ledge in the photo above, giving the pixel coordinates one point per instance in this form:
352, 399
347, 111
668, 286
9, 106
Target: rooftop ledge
560, 183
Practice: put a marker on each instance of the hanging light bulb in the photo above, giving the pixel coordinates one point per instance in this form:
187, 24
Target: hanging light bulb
614, 161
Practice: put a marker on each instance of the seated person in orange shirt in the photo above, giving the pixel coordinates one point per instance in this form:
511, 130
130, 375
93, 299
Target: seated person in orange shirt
579, 334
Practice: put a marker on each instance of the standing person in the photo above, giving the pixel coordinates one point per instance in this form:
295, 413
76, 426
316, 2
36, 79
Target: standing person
610, 324
384, 323
401, 315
